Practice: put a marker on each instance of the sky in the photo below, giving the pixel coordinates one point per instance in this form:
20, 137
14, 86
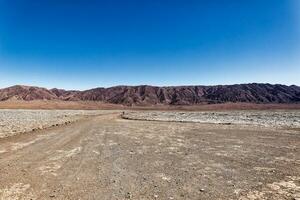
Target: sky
79, 44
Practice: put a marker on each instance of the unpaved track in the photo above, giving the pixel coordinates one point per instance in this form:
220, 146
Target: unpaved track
106, 157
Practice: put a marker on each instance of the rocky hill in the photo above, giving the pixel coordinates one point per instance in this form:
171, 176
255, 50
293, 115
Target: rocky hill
151, 95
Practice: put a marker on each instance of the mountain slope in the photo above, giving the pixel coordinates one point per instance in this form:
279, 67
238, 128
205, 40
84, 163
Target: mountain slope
152, 95
26, 93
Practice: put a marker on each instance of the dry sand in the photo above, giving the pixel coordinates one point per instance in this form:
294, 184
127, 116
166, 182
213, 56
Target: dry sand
86, 105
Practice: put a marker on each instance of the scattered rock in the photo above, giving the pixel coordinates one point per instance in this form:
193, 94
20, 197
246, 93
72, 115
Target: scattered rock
128, 195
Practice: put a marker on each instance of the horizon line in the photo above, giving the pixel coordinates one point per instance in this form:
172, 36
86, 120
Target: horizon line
139, 85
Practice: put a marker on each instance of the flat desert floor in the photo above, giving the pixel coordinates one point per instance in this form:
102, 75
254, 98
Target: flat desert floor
243, 155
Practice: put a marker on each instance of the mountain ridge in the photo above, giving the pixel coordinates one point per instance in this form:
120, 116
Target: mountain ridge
146, 95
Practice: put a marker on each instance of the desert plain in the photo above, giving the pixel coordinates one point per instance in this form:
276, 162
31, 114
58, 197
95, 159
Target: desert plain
124, 154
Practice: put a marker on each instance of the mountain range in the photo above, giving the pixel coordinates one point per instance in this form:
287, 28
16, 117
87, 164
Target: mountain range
146, 95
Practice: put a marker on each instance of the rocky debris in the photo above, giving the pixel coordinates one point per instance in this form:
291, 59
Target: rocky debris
287, 119
146, 95
13, 122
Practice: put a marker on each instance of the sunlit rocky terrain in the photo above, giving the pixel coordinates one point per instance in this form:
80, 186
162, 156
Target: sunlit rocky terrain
13, 122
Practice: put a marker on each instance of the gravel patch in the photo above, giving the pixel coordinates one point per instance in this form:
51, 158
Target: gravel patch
288, 119
13, 122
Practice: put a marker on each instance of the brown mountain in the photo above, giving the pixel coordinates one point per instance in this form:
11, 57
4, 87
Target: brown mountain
27, 93
151, 95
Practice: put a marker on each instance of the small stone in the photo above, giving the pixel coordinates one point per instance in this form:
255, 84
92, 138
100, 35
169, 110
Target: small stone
128, 195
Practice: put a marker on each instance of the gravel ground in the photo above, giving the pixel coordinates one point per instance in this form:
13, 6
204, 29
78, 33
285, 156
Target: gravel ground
13, 122
284, 119
110, 158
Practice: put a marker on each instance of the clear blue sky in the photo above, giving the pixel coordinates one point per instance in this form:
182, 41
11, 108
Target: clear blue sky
80, 44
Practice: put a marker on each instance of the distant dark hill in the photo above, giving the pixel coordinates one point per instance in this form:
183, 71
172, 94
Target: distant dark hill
150, 95
27, 93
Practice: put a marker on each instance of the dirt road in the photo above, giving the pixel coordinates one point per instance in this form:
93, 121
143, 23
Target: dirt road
106, 157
